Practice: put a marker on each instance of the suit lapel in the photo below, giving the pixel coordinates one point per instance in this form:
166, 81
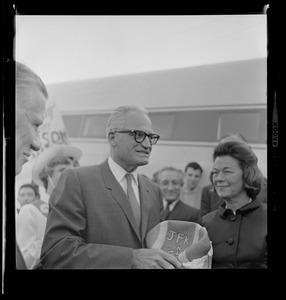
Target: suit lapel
119, 195
177, 211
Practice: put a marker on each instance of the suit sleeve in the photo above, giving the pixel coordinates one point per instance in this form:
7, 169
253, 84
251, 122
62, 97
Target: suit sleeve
64, 246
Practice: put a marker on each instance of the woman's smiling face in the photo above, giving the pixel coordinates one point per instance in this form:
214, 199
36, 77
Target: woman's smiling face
227, 177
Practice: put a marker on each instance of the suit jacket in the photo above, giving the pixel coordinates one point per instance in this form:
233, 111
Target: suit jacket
91, 222
183, 212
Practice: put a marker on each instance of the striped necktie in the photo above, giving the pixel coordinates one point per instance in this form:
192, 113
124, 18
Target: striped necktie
133, 200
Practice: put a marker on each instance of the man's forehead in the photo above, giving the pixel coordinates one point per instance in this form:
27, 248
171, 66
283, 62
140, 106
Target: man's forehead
192, 170
170, 174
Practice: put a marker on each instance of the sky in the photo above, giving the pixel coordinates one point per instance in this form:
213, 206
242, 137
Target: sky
66, 48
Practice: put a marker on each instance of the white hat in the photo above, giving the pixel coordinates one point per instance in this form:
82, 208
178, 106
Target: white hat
48, 155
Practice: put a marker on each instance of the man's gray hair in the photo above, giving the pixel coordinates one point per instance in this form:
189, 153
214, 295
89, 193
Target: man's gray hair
117, 117
25, 80
169, 168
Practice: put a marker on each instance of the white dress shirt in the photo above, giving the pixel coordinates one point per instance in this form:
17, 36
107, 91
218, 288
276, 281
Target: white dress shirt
30, 231
172, 205
119, 173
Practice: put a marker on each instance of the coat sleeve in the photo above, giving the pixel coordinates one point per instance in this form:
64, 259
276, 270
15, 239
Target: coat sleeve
64, 245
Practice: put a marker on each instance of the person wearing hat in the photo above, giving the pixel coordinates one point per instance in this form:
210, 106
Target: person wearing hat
32, 218
52, 162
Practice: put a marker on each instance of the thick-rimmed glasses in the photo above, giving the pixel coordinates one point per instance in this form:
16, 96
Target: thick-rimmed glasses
140, 135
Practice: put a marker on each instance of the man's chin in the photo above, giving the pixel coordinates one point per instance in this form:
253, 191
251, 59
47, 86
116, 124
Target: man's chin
171, 200
143, 162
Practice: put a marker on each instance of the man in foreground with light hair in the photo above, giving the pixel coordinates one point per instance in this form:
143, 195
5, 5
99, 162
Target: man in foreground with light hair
31, 96
100, 215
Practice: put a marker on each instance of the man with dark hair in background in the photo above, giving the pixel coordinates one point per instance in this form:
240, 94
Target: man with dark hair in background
28, 193
192, 191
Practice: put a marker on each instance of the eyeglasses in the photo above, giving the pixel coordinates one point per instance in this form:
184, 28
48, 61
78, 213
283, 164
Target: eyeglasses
140, 135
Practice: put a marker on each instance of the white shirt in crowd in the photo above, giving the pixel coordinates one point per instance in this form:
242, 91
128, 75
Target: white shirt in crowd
30, 230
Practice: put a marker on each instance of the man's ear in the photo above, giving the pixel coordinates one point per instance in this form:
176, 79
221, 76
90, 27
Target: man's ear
112, 138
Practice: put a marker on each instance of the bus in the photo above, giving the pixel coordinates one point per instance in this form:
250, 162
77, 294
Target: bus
191, 108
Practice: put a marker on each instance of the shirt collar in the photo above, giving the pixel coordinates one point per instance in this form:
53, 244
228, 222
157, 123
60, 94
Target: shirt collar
252, 204
118, 172
172, 205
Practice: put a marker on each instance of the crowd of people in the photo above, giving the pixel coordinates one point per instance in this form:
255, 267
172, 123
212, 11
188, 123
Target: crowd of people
98, 216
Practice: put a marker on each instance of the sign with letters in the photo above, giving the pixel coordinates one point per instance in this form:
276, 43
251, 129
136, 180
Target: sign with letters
51, 132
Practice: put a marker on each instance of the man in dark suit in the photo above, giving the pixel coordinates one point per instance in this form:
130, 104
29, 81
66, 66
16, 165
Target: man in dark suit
99, 215
170, 181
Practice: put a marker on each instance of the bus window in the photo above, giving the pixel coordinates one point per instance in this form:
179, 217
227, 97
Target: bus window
95, 125
182, 126
252, 125
73, 124
186, 125
197, 126
163, 124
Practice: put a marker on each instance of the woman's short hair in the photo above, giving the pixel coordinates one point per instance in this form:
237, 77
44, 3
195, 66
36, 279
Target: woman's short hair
117, 117
251, 175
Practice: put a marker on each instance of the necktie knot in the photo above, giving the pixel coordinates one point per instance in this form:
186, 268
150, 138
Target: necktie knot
129, 177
